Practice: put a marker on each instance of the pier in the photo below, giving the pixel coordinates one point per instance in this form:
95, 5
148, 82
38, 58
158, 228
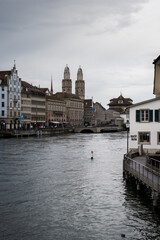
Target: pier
142, 169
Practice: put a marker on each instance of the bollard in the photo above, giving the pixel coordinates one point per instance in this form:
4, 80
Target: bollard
91, 154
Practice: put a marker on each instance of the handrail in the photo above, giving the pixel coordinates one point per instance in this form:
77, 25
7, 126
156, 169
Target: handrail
144, 173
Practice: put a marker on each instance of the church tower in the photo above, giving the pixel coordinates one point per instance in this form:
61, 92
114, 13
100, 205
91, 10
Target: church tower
67, 82
80, 84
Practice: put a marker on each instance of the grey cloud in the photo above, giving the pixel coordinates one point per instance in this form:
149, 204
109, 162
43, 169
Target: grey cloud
19, 14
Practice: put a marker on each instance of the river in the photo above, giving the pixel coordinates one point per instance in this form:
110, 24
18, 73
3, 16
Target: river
51, 189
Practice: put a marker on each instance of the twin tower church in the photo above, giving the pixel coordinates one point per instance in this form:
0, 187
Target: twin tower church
79, 83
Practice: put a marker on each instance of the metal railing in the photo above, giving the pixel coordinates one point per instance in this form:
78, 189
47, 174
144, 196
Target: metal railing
143, 173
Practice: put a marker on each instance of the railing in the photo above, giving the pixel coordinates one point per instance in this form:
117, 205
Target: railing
153, 163
143, 173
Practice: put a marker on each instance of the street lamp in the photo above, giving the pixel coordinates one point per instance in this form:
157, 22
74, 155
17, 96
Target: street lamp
127, 127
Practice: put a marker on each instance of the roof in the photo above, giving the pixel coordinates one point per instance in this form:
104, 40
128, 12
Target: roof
126, 101
100, 105
53, 97
144, 102
8, 72
117, 109
44, 89
26, 87
64, 95
156, 60
4, 80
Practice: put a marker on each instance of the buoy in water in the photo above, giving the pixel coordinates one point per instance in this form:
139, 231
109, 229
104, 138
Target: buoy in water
91, 154
123, 235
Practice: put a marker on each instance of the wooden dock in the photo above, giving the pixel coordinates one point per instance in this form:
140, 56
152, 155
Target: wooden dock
144, 174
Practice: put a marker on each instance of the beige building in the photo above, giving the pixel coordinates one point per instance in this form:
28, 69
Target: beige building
33, 105
99, 114
88, 112
55, 109
80, 84
74, 107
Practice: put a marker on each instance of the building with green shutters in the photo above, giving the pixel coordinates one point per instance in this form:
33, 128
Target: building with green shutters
145, 126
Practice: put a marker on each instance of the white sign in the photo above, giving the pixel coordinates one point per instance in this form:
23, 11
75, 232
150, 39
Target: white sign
134, 137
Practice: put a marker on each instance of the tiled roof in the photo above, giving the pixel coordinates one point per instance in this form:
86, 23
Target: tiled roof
26, 87
156, 60
44, 89
120, 110
64, 95
5, 72
4, 80
115, 101
144, 102
100, 105
53, 97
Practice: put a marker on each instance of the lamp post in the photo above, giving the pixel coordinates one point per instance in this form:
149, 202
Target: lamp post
127, 127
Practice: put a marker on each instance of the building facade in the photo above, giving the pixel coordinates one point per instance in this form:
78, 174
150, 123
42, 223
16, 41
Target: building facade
67, 82
33, 105
13, 83
80, 84
144, 120
55, 110
88, 112
120, 104
74, 107
3, 101
156, 86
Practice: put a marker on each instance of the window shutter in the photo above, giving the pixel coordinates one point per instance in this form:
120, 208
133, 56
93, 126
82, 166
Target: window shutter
156, 115
151, 115
137, 115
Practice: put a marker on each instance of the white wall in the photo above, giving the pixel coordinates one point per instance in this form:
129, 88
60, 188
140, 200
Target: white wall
152, 127
5, 102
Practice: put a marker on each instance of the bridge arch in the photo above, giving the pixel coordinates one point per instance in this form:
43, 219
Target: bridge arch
86, 130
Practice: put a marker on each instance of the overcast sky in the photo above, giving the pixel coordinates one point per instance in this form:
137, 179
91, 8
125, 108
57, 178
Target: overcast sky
114, 41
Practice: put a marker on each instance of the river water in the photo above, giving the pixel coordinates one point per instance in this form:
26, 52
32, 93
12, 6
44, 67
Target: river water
51, 189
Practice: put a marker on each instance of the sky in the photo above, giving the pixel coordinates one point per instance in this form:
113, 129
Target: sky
114, 42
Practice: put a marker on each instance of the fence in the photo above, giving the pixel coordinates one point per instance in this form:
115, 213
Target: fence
146, 174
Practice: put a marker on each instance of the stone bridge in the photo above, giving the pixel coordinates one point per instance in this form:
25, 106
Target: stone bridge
90, 129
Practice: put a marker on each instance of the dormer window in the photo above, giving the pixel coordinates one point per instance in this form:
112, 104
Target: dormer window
120, 101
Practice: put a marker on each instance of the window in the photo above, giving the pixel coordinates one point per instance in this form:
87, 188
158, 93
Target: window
2, 96
144, 115
158, 138
2, 104
144, 137
10, 104
2, 88
10, 114
2, 113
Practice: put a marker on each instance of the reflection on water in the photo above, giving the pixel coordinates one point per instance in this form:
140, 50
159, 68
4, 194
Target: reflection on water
51, 189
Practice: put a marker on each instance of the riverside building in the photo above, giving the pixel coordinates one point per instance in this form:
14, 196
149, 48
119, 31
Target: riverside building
10, 90
33, 105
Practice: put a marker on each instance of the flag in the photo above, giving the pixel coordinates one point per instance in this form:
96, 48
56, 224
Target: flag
22, 117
